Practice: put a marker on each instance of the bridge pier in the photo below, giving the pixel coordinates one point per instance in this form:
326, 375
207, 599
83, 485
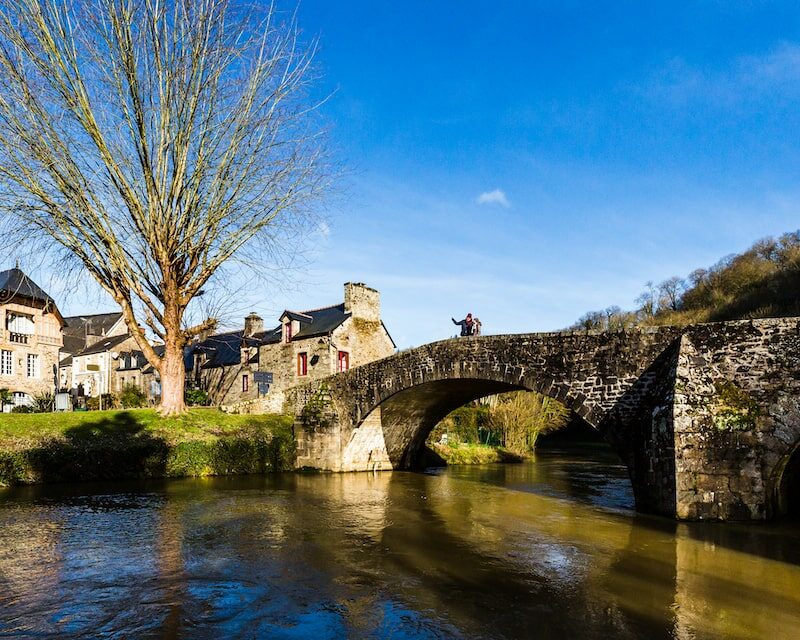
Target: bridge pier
707, 418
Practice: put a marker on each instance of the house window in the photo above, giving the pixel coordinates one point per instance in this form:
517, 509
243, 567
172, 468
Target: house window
245, 383
33, 365
21, 398
7, 363
288, 331
122, 383
302, 364
344, 361
134, 362
19, 327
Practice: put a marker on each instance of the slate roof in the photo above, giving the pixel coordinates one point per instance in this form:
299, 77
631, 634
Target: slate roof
99, 323
224, 349
104, 344
75, 331
13, 282
295, 315
323, 321
73, 344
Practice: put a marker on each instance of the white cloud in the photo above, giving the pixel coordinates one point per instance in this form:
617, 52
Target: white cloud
493, 197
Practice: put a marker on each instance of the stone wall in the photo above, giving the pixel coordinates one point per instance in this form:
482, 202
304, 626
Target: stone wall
737, 417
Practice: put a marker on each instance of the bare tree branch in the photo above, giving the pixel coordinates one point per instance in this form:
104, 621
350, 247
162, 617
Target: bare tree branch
154, 141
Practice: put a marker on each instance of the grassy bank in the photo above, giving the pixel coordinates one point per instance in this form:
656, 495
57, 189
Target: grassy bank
461, 453
138, 443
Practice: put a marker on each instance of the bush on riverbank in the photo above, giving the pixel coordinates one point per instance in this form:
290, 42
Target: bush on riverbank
110, 445
462, 453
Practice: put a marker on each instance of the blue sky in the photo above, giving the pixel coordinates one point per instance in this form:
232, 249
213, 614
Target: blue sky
530, 161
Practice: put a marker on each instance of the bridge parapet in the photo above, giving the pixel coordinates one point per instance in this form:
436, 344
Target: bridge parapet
665, 398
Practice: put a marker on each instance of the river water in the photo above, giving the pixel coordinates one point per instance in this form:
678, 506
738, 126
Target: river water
546, 549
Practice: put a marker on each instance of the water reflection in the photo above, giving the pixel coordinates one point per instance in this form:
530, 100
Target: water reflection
550, 549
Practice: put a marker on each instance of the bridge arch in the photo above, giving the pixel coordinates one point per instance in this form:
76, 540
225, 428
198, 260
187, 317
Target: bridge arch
407, 417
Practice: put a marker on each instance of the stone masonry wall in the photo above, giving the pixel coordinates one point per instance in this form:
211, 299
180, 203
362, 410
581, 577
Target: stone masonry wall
737, 416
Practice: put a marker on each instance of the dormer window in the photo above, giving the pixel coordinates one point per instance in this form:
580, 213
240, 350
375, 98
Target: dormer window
287, 331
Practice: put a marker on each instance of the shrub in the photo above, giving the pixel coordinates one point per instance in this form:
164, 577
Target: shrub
22, 408
109, 402
520, 417
196, 397
132, 397
43, 402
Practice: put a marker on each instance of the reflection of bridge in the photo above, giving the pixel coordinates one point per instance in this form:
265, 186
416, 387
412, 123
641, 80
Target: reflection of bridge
706, 418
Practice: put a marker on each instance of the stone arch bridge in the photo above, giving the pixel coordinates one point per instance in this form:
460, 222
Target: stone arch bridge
706, 418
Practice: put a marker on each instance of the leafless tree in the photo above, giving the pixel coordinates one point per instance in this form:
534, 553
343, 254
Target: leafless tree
153, 142
671, 291
648, 300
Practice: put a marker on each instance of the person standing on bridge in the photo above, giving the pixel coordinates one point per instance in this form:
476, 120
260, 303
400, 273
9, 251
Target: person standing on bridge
476, 327
466, 325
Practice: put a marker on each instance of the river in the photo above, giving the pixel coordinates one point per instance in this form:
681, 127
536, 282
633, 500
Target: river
547, 549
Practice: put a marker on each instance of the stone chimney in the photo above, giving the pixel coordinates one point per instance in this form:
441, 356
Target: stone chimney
253, 324
362, 301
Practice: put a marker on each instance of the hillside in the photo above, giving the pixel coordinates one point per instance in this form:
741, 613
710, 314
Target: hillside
762, 282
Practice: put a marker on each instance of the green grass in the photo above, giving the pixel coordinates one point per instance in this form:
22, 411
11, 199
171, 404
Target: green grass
138, 443
461, 453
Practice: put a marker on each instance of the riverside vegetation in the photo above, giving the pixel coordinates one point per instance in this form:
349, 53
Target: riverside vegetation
139, 443
503, 428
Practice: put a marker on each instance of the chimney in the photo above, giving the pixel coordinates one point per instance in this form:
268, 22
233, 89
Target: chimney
253, 324
362, 301
89, 338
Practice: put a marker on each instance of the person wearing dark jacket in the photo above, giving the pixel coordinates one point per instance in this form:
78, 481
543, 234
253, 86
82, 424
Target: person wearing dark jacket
465, 324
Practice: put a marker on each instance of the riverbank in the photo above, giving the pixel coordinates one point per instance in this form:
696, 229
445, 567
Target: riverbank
463, 453
138, 443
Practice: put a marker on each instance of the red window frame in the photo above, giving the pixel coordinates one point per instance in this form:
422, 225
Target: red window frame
289, 331
302, 364
245, 383
343, 361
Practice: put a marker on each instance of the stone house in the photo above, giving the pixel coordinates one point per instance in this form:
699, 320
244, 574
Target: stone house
96, 367
101, 356
306, 345
30, 339
81, 332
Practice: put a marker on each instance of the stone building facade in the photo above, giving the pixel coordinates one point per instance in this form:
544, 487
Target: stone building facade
30, 337
306, 345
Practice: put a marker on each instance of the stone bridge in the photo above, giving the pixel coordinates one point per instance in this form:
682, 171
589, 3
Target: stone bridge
706, 418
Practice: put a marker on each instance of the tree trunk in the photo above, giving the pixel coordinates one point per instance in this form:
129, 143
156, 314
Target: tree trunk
173, 377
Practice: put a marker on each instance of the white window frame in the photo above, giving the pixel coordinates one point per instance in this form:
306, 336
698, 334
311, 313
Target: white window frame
6, 358
33, 358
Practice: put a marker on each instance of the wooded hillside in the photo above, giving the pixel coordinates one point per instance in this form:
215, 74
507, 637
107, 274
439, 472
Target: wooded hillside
762, 282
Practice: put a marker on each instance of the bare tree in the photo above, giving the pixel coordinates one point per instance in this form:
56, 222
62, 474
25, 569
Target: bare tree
153, 142
671, 291
647, 300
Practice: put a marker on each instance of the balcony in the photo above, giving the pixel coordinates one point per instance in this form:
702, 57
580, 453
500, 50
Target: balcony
30, 339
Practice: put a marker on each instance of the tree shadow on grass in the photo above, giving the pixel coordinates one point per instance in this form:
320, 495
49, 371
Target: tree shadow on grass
119, 447
113, 446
